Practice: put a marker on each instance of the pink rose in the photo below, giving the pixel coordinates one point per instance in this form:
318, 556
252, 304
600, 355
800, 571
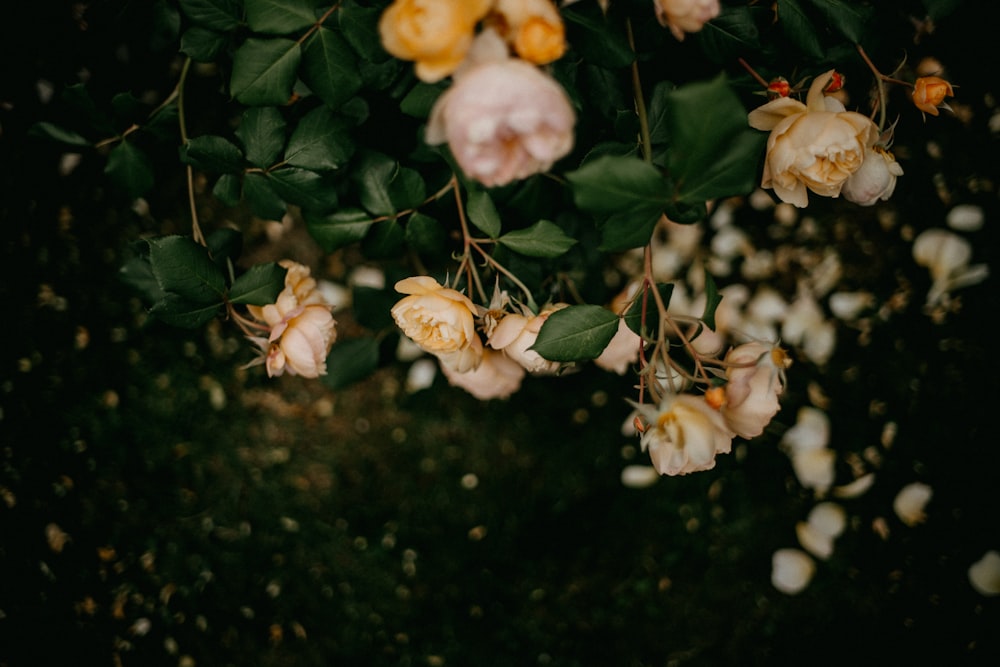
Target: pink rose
755, 381
683, 16
503, 118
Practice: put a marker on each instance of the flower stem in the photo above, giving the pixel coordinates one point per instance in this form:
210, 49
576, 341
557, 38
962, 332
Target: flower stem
640, 102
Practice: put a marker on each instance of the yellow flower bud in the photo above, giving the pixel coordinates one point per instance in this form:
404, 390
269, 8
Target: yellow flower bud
929, 92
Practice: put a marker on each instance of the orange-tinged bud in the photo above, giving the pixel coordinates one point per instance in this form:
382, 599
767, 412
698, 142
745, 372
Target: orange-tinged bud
715, 397
639, 424
778, 88
929, 92
540, 41
837, 82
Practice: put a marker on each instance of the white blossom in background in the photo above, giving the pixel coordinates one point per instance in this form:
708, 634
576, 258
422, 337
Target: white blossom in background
984, 574
825, 523
805, 443
791, 570
910, 502
946, 255
806, 327
639, 477
965, 218
421, 374
847, 306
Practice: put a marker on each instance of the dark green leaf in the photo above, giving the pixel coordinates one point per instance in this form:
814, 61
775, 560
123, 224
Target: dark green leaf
320, 142
627, 229
305, 188
264, 71
215, 155
177, 311
358, 24
712, 301
797, 27
48, 130
261, 197
483, 213
597, 39
280, 17
372, 306
262, 132
542, 239
576, 333
184, 268
329, 68
228, 189
385, 239
350, 361
659, 132
634, 314
425, 234
130, 169
260, 285
939, 9
610, 184
729, 35
850, 19
224, 245
221, 15
384, 187
339, 229
137, 273
421, 98
203, 44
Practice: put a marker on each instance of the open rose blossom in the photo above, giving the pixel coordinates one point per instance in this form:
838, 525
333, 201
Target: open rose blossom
814, 146
755, 381
497, 376
875, 180
503, 118
440, 320
436, 34
302, 328
683, 434
929, 93
534, 28
683, 16
515, 333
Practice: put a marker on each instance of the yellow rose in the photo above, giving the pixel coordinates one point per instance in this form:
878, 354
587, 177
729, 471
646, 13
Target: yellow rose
929, 93
684, 434
440, 320
815, 146
534, 28
436, 34
683, 16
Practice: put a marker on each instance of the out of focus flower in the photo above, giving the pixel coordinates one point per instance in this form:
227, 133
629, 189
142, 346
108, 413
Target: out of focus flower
621, 351
929, 93
683, 16
515, 333
825, 523
814, 146
807, 328
639, 477
791, 570
984, 574
947, 256
302, 328
965, 218
440, 320
497, 376
436, 34
806, 445
683, 434
503, 118
534, 28
755, 380
910, 502
875, 180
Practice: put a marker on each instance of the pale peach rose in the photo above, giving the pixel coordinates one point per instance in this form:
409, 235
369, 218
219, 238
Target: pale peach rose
754, 382
534, 28
683, 434
683, 16
621, 351
814, 146
440, 320
515, 333
503, 118
875, 180
436, 34
497, 376
929, 93
302, 328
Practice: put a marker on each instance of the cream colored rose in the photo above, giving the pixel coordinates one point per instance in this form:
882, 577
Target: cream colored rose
815, 146
503, 118
515, 333
440, 320
684, 434
497, 376
683, 16
875, 180
436, 34
621, 351
755, 381
534, 28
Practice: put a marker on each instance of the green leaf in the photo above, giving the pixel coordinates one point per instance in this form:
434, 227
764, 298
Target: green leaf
224, 245
137, 273
729, 35
46, 130
203, 44
260, 285
304, 188
320, 142
483, 213
425, 234
797, 27
130, 169
609, 184
220, 15
659, 132
262, 132
263, 201
372, 306
215, 155
228, 189
384, 240
329, 68
358, 24
939, 9
184, 268
264, 71
713, 153
542, 239
850, 19
384, 187
350, 361
179, 312
421, 98
597, 39
631, 228
339, 229
634, 314
280, 17
712, 301
576, 333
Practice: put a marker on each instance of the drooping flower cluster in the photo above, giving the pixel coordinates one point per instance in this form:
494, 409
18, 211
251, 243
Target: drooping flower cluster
301, 327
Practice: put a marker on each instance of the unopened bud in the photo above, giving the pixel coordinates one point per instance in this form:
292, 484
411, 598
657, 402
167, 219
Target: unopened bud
778, 87
837, 81
929, 92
